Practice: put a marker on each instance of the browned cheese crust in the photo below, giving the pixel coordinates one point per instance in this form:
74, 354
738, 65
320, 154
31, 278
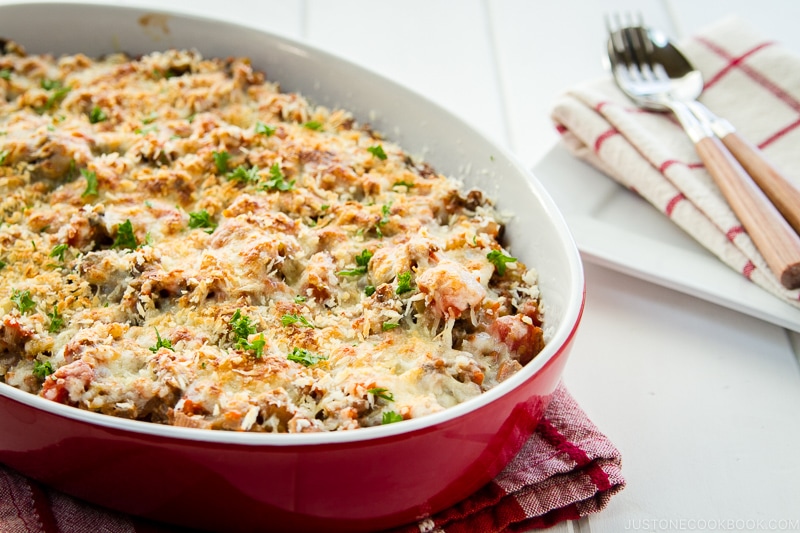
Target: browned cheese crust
185, 244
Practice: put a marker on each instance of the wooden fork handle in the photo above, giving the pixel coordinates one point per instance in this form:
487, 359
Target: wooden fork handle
783, 193
772, 235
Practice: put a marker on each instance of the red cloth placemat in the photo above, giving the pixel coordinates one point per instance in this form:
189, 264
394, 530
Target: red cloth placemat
566, 470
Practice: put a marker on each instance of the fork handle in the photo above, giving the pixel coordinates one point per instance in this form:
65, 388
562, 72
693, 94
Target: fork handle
771, 233
784, 194
778, 188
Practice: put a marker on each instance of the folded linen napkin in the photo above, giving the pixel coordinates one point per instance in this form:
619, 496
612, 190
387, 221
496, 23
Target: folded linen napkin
752, 82
566, 470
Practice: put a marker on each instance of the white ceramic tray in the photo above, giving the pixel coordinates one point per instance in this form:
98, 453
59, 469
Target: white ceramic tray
615, 228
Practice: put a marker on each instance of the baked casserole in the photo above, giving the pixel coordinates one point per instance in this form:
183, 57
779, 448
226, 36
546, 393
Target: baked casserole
184, 243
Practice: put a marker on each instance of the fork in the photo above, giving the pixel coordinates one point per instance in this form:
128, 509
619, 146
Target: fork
644, 78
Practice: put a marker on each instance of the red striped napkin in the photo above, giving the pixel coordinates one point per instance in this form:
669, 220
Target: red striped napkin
566, 470
751, 81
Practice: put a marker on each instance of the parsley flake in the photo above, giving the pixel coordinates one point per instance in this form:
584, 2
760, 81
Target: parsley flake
313, 125
264, 129
42, 370
499, 260
97, 115
377, 151
23, 301
304, 357
161, 343
243, 174
388, 326
3, 264
289, 320
221, 161
125, 237
256, 345
242, 327
49, 85
362, 261
3, 155
277, 181
403, 282
380, 392
369, 290
91, 183
403, 183
56, 320
390, 417
59, 250
201, 219
5, 74
300, 299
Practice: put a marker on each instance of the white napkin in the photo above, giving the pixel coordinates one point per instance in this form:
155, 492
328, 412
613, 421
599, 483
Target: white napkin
752, 82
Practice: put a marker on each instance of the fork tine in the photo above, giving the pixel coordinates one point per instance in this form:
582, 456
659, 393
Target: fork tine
616, 40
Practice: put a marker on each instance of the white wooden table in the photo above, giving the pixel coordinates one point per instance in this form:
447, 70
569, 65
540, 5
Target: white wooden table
703, 402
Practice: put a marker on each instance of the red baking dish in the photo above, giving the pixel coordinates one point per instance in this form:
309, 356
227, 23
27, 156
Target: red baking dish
359, 480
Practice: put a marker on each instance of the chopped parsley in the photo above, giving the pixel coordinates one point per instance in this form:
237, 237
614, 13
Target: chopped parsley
264, 129
403, 282
369, 290
161, 343
3, 155
499, 260
300, 299
277, 181
150, 118
242, 327
313, 125
256, 345
243, 174
97, 115
42, 370
3, 264
390, 417
386, 210
5, 74
58, 251
23, 301
403, 183
380, 392
56, 96
49, 85
388, 326
201, 219
125, 237
56, 320
91, 182
377, 151
362, 260
289, 320
221, 161
304, 357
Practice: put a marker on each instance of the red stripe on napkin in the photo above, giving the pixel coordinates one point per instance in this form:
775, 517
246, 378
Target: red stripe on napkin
602, 138
748, 269
673, 202
755, 75
779, 134
733, 232
733, 61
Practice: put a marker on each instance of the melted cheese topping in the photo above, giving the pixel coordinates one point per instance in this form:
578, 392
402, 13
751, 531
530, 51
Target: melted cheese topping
185, 244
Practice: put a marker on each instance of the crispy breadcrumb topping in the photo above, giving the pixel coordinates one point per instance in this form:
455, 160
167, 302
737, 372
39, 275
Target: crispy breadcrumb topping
183, 243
